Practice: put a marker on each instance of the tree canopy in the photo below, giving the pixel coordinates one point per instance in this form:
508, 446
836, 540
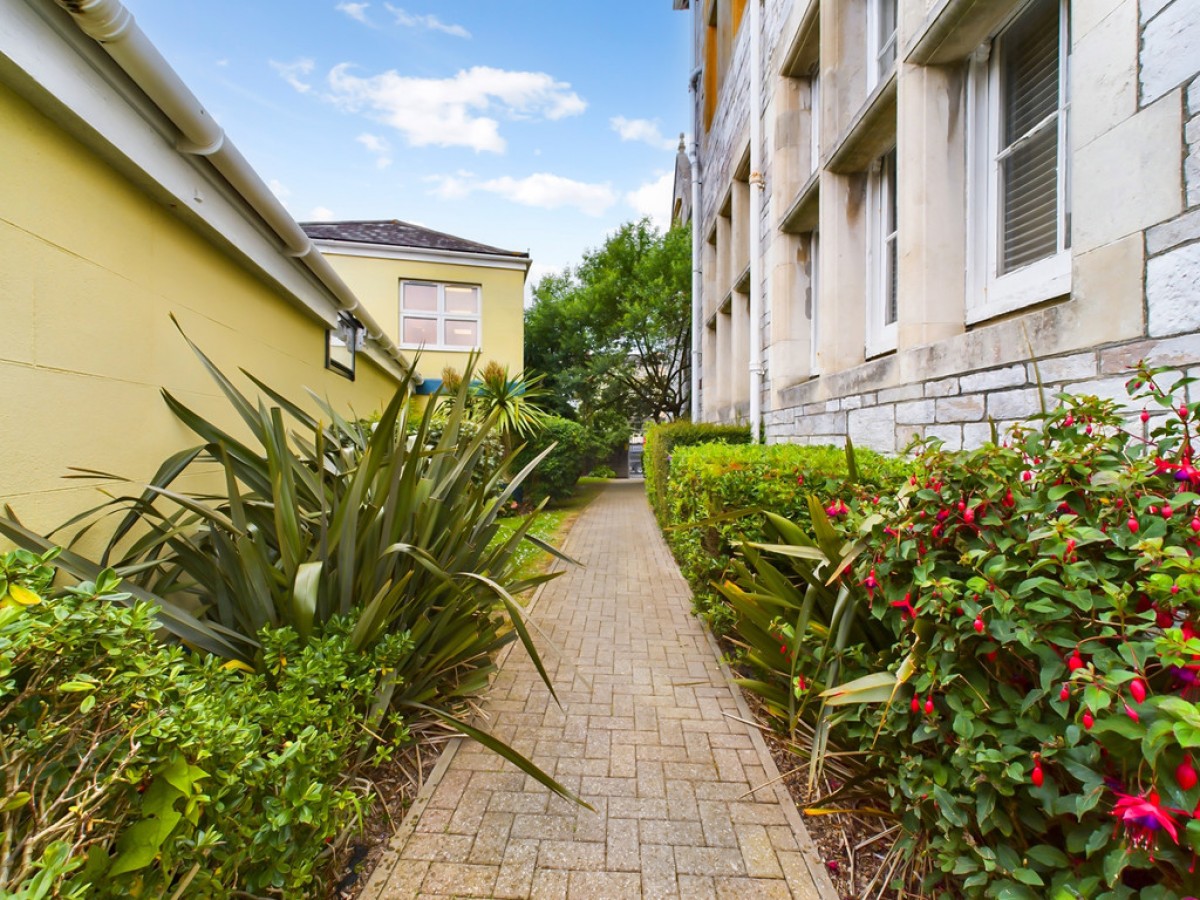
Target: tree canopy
613, 335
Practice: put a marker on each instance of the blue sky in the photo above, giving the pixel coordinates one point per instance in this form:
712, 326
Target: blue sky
536, 126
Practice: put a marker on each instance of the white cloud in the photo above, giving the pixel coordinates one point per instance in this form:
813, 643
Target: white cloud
553, 191
641, 130
431, 22
356, 11
291, 72
453, 112
653, 199
320, 214
222, 63
379, 147
541, 190
452, 187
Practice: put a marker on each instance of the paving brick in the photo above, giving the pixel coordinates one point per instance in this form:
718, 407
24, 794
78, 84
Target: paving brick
643, 733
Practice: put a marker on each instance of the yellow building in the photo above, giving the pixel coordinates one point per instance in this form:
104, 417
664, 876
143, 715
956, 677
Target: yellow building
433, 293
121, 204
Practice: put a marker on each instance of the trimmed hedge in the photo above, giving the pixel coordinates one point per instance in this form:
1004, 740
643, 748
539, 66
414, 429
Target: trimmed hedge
714, 479
557, 474
661, 441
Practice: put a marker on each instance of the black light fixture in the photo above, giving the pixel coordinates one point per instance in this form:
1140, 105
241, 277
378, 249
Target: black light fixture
343, 343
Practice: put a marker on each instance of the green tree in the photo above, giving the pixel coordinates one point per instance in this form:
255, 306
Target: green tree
613, 335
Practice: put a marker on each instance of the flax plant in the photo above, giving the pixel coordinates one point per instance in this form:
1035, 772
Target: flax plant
389, 524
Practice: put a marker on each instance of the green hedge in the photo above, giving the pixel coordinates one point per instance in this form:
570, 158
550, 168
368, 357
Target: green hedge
661, 441
713, 479
557, 474
200, 778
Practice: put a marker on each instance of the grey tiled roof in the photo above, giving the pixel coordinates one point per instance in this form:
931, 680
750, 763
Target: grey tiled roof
395, 233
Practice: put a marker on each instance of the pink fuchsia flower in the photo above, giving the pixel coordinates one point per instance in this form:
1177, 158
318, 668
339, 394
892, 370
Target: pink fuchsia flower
837, 508
906, 606
1143, 818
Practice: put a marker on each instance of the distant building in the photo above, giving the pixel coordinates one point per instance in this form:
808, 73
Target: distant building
432, 292
946, 190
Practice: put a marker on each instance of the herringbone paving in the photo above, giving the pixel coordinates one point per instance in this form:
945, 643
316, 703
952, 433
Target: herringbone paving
648, 733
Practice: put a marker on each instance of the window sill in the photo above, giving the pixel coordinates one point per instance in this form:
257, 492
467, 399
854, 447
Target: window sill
871, 134
436, 348
804, 212
1026, 287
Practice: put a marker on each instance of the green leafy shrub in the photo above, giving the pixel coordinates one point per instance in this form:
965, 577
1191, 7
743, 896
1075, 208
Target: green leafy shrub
320, 521
661, 441
570, 454
603, 471
722, 480
1011, 654
134, 769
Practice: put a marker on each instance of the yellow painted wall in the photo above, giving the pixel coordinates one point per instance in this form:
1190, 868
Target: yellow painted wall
90, 269
376, 282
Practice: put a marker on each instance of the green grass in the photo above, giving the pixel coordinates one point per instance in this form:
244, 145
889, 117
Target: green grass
551, 526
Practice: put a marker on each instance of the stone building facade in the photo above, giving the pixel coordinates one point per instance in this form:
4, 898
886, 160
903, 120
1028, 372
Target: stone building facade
951, 190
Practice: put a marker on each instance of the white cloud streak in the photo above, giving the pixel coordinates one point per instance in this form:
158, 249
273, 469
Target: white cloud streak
292, 72
320, 214
462, 111
541, 190
428, 21
356, 11
378, 147
642, 130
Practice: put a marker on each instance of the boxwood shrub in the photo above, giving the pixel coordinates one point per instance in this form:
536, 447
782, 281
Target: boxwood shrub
661, 441
558, 473
136, 769
711, 480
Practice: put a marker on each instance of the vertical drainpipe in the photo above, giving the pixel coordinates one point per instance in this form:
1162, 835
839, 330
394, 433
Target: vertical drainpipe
697, 281
757, 186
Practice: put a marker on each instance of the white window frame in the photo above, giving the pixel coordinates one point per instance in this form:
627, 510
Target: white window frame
814, 121
814, 288
881, 335
440, 316
990, 294
875, 46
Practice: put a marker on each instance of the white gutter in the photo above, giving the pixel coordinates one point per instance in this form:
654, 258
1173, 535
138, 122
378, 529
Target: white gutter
757, 186
113, 27
697, 272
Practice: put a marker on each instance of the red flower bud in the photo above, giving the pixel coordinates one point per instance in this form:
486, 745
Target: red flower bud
1076, 661
1167, 512
1037, 776
1137, 688
979, 626
1069, 421
1196, 523
1185, 775
1145, 416
1088, 720
1129, 711
916, 703
929, 705
1065, 693
1133, 524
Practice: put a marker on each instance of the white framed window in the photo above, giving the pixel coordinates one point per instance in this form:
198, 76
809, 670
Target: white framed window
814, 121
1018, 200
882, 256
439, 316
814, 293
881, 40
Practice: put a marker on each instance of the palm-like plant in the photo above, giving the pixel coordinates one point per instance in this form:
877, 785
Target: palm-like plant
512, 401
325, 518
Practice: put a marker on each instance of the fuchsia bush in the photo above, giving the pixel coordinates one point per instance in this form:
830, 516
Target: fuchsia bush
1036, 603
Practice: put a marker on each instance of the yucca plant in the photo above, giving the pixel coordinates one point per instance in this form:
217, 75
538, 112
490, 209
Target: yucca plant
511, 401
324, 518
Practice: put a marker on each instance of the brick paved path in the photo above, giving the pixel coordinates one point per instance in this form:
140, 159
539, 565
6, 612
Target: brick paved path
643, 735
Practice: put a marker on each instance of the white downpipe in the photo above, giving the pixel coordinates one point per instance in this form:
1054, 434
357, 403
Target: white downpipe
697, 273
757, 187
114, 28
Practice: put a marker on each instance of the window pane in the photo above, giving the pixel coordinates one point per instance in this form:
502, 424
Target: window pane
1030, 198
419, 331
1029, 70
420, 297
462, 300
460, 333
1028, 152
887, 35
